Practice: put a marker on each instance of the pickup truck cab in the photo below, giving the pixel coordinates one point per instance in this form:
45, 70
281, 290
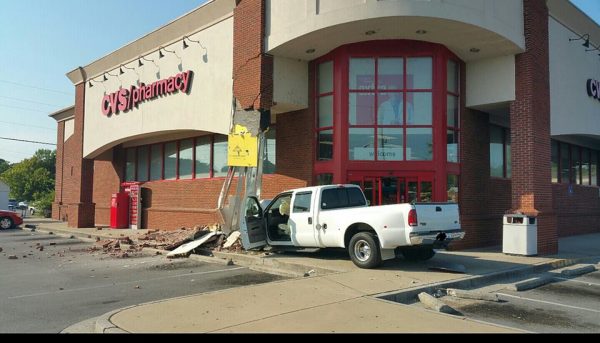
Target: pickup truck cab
339, 216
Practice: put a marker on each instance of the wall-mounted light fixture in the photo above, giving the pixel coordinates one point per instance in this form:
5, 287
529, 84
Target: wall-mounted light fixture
161, 49
585, 37
121, 71
186, 45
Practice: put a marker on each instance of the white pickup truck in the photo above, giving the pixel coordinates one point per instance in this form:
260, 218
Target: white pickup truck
339, 217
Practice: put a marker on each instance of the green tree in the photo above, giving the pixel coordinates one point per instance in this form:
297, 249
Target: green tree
4, 165
32, 178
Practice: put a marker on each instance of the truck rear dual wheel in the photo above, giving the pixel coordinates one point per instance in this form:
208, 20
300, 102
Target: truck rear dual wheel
364, 250
418, 253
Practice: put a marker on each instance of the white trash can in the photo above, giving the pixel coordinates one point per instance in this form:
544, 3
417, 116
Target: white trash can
519, 235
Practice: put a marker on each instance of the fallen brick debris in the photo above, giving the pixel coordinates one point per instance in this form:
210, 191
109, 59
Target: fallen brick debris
170, 240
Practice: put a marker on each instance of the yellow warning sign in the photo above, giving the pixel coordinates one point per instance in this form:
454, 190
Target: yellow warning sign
242, 148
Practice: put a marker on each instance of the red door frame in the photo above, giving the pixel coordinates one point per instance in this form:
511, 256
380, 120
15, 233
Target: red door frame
340, 166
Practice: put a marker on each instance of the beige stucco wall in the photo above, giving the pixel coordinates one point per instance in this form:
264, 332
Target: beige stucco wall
573, 112
495, 24
290, 78
206, 108
490, 81
69, 129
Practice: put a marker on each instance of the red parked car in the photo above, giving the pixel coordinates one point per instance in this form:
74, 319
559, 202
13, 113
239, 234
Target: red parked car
9, 220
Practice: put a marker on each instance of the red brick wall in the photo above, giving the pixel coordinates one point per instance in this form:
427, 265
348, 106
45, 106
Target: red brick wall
169, 205
107, 180
295, 154
75, 175
530, 132
578, 213
475, 186
252, 70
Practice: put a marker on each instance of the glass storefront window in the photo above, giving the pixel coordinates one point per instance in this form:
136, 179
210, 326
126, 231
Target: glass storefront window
325, 145
362, 74
419, 144
390, 108
452, 188
390, 73
326, 77
270, 162
452, 146
326, 111
386, 95
186, 159
203, 157
362, 144
419, 109
496, 151
554, 162
171, 161
324, 179
156, 160
130, 165
585, 167
575, 165
390, 145
419, 73
594, 168
426, 194
508, 154
220, 166
453, 77
452, 110
565, 164
142, 169
361, 108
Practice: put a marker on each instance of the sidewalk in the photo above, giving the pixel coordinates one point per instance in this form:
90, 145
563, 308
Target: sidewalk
337, 297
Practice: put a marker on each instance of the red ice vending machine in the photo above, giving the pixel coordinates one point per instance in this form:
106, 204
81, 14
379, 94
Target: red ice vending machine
119, 211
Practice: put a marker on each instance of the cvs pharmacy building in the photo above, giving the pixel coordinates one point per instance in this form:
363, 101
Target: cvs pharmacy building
483, 102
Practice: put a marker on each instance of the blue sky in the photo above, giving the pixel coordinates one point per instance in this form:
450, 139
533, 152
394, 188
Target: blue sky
41, 40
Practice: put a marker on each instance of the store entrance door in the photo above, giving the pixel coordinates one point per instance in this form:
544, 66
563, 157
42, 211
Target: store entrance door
391, 190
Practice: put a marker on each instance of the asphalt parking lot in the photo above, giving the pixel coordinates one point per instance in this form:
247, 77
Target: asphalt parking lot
46, 290
567, 305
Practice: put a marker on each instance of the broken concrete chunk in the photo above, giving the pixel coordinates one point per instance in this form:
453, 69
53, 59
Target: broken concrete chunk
435, 304
463, 294
232, 239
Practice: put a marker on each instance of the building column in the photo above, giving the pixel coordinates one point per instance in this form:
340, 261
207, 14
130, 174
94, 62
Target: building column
252, 68
530, 128
78, 172
58, 179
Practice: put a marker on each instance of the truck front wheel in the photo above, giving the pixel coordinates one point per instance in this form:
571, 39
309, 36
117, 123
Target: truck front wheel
364, 250
418, 253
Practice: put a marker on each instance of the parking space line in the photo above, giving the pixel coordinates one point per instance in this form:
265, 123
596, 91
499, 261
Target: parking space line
578, 281
549, 303
124, 283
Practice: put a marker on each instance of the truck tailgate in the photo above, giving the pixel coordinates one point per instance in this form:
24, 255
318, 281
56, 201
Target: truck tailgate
437, 217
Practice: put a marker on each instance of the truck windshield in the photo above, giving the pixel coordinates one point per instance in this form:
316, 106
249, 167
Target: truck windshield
334, 198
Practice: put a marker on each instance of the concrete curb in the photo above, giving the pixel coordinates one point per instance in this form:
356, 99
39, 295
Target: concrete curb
262, 264
409, 296
273, 265
530, 283
576, 271
104, 325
